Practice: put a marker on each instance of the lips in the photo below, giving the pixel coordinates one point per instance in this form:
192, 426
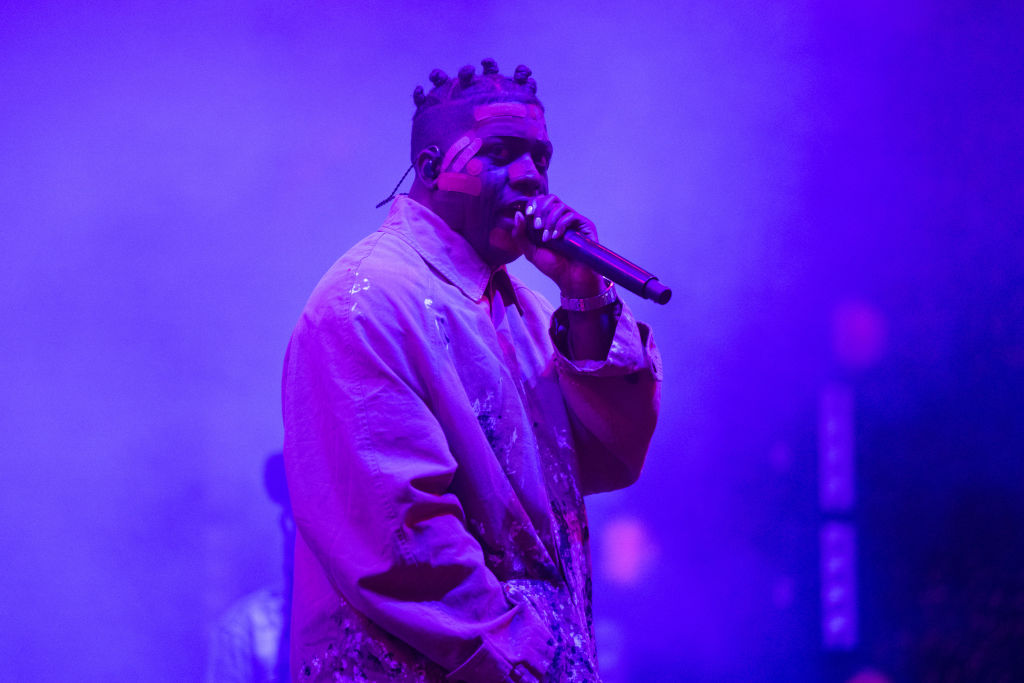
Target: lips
518, 206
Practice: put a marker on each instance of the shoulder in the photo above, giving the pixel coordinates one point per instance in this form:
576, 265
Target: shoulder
380, 278
367, 312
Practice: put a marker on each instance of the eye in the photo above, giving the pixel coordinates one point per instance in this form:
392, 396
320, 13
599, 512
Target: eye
542, 161
499, 152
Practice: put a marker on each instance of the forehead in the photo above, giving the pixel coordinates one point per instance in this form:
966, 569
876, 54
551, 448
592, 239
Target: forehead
509, 119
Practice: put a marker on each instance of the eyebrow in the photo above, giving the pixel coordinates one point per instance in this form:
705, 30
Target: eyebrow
506, 139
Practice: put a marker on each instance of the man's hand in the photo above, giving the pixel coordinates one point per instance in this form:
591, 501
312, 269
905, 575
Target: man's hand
576, 280
590, 333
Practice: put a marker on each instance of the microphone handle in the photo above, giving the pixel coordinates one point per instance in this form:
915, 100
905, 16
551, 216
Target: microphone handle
603, 261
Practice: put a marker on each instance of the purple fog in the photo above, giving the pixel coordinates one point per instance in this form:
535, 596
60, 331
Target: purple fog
835, 195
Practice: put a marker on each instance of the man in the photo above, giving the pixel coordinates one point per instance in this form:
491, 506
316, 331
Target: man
249, 642
442, 424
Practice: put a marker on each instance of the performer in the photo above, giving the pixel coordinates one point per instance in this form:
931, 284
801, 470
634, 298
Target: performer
443, 423
249, 641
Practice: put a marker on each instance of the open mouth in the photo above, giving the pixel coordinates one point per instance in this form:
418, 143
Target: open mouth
513, 208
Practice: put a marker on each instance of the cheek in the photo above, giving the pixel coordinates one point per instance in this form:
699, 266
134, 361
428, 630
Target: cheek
501, 239
492, 183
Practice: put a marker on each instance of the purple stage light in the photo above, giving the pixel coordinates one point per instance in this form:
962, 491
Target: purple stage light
836, 485
838, 586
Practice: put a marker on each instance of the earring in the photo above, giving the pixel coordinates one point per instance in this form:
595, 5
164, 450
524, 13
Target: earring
430, 169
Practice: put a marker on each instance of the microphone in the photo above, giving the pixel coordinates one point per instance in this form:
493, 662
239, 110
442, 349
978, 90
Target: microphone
604, 261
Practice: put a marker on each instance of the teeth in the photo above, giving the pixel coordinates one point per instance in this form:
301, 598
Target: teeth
512, 210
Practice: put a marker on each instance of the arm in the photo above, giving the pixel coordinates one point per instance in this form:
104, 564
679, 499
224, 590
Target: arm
369, 470
609, 369
613, 401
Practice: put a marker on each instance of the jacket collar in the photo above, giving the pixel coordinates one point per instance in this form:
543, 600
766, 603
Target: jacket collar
445, 250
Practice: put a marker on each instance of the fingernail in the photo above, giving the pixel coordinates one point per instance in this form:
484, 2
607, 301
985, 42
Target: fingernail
529, 210
537, 222
546, 236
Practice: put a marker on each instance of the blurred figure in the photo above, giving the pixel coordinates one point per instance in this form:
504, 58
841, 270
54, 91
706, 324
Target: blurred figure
250, 640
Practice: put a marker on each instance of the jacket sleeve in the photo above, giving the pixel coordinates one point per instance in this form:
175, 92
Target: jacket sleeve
612, 403
369, 471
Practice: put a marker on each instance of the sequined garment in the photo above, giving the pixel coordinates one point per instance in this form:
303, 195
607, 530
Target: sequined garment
438, 445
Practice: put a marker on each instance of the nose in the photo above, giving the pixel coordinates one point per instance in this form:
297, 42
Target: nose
524, 177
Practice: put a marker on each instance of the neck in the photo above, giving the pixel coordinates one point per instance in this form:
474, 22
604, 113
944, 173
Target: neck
421, 194
454, 216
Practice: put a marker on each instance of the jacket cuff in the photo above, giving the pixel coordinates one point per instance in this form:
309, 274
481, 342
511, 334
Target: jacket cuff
520, 651
632, 348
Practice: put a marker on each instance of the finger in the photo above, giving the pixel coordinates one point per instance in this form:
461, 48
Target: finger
519, 232
538, 226
530, 217
556, 218
565, 222
546, 206
538, 206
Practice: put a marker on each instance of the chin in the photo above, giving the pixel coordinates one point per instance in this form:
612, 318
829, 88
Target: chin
502, 248
511, 256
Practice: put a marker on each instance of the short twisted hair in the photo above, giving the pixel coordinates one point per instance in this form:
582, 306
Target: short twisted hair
447, 110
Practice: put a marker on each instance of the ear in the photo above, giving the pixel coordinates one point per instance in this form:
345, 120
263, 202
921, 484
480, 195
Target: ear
428, 166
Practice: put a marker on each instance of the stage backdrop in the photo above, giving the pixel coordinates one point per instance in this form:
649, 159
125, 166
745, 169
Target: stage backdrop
833, 193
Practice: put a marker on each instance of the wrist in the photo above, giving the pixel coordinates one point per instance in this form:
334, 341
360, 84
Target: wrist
582, 284
576, 304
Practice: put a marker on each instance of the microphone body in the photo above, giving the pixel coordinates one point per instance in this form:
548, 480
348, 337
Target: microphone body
605, 262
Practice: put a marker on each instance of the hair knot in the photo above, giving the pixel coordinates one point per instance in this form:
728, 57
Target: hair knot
438, 78
468, 88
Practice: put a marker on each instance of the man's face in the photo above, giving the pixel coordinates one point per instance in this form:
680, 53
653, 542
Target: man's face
489, 171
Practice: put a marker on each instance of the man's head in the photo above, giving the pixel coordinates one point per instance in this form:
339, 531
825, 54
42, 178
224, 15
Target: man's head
479, 146
276, 484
